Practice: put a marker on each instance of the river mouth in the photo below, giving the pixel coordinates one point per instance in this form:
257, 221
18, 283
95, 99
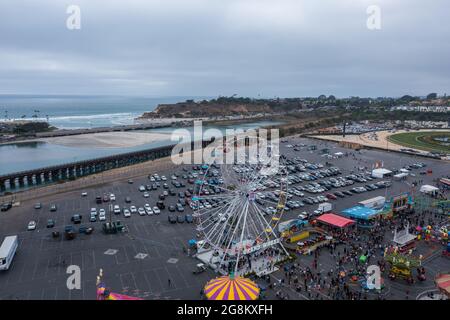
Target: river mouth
28, 155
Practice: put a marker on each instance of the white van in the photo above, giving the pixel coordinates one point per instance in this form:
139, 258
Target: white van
7, 251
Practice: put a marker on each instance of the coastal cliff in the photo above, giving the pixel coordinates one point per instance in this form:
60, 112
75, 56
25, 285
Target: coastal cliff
221, 107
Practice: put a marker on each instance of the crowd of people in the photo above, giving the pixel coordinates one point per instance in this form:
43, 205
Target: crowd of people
342, 280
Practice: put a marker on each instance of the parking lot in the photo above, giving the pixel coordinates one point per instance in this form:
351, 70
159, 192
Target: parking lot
148, 260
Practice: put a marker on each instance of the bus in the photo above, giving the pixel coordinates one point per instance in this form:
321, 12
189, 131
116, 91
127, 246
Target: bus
7, 251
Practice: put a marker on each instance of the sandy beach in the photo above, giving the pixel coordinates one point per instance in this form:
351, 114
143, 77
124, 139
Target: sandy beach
109, 139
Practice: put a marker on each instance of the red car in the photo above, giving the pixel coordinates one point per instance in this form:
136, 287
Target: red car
330, 196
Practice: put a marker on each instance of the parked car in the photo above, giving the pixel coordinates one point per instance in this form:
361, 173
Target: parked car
6, 206
180, 219
160, 205
31, 225
50, 223
76, 218
126, 213
116, 209
172, 219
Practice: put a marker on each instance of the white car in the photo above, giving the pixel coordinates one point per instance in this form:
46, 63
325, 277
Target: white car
101, 211
149, 211
163, 178
141, 211
102, 216
94, 211
152, 179
303, 216
146, 195
133, 209
31, 225
156, 210
126, 213
116, 209
112, 197
84, 194
142, 188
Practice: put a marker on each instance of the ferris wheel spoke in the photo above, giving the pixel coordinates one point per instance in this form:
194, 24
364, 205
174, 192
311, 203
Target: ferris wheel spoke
242, 236
270, 201
253, 224
262, 220
212, 214
210, 234
231, 238
229, 214
261, 215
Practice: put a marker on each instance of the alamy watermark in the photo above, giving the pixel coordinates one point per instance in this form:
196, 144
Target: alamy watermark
74, 280
374, 17
373, 277
73, 21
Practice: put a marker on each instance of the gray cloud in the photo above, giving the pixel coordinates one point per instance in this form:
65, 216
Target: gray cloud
213, 47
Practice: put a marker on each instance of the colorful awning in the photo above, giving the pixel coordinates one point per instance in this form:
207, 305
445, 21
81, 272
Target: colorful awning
335, 220
231, 288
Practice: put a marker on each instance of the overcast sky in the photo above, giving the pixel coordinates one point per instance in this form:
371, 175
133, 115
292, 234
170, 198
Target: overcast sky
224, 47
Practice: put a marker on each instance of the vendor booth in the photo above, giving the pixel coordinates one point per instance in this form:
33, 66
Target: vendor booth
363, 216
380, 173
431, 190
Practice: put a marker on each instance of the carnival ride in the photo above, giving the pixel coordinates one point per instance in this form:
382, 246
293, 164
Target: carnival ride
397, 204
239, 226
443, 284
231, 288
105, 294
402, 265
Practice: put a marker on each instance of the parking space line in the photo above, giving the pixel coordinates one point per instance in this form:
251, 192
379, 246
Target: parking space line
181, 275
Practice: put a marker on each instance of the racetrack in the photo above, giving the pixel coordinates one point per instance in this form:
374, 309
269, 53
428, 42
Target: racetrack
423, 140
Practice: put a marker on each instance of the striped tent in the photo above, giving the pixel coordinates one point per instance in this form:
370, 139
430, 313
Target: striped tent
443, 283
231, 288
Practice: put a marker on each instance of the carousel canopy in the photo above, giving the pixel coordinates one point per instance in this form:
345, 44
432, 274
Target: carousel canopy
231, 288
443, 283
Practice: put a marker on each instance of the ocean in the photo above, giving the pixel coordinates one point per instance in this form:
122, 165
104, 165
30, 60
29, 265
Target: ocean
75, 112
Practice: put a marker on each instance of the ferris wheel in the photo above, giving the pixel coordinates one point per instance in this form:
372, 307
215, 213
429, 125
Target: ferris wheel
238, 205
